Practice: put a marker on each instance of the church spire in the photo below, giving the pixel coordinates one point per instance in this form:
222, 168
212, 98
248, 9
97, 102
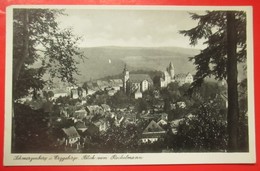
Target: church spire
171, 70
125, 78
125, 69
171, 65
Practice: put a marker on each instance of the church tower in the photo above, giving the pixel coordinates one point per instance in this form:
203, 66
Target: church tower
125, 78
171, 70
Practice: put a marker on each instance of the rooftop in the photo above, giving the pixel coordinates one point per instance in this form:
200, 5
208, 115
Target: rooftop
71, 132
153, 127
139, 78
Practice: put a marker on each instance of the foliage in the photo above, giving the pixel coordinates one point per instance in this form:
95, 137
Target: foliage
121, 139
141, 105
40, 47
203, 132
243, 122
64, 101
212, 26
31, 130
120, 100
225, 34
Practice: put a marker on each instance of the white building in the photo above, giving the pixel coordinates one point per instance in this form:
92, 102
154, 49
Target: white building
169, 76
136, 83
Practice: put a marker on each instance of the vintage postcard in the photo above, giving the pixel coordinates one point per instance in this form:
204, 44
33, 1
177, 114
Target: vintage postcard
129, 85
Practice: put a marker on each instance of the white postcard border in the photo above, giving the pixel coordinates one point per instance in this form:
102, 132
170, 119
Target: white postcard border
24, 159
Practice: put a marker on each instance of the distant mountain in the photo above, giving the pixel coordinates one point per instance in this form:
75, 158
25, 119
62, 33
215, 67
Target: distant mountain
110, 60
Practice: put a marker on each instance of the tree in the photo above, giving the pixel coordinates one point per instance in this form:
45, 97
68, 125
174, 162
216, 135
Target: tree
39, 47
205, 131
225, 34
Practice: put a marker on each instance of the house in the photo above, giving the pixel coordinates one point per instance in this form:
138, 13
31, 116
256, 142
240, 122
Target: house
80, 126
112, 92
116, 84
80, 114
184, 78
59, 93
138, 94
94, 109
163, 119
112, 86
102, 84
152, 133
71, 135
74, 93
92, 88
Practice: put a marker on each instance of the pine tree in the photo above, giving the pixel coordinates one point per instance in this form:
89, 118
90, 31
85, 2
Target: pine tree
225, 35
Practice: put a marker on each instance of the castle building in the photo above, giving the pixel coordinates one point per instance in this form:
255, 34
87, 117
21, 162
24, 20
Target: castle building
136, 84
169, 76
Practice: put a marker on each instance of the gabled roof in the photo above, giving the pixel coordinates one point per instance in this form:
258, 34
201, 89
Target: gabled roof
153, 127
80, 125
118, 81
80, 114
105, 106
182, 75
137, 78
101, 83
115, 82
80, 111
71, 132
59, 91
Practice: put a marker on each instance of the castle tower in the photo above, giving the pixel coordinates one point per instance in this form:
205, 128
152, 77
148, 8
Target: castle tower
171, 70
125, 78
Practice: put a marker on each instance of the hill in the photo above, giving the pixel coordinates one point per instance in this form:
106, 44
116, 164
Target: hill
110, 60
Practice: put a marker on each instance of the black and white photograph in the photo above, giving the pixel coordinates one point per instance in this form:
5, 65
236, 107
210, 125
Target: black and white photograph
116, 85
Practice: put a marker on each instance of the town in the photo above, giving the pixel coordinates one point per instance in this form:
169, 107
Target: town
136, 113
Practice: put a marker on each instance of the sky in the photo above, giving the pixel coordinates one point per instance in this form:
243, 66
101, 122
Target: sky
131, 27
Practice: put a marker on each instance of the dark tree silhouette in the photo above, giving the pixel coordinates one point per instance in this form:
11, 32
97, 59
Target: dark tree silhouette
225, 34
37, 39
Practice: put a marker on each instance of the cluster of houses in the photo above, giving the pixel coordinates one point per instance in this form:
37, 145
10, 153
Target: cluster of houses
93, 120
111, 86
87, 121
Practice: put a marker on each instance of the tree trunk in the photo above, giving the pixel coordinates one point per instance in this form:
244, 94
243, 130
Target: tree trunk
17, 66
233, 112
19, 62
